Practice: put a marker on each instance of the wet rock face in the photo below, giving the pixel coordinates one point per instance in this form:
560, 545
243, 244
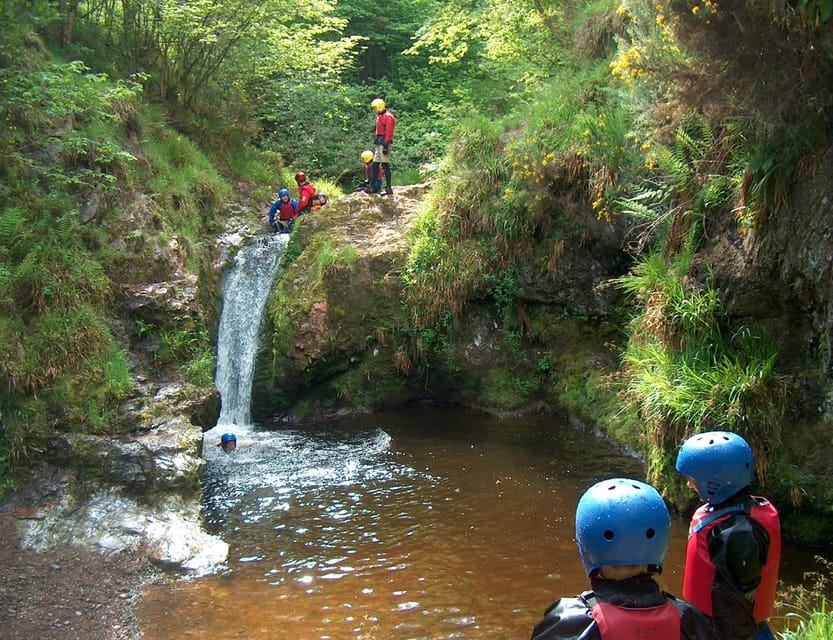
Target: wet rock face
139, 492
167, 531
137, 488
331, 333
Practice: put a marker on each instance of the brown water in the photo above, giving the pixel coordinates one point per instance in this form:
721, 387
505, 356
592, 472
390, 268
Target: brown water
429, 523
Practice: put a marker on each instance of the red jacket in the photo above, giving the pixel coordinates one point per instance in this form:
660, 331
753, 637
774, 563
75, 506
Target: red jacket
306, 192
385, 123
287, 210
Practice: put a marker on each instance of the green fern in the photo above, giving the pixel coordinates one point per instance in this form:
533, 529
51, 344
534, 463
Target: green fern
12, 221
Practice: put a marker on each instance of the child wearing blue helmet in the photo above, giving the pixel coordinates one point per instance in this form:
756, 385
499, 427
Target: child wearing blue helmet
734, 540
283, 212
622, 532
228, 442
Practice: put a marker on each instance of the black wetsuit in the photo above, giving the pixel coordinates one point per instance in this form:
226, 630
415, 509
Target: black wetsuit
570, 618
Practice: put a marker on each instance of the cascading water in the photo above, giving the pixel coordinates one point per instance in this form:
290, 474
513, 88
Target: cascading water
245, 292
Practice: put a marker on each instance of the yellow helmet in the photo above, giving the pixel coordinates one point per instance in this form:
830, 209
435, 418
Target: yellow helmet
378, 105
367, 156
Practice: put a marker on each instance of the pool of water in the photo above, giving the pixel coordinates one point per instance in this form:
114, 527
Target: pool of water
427, 523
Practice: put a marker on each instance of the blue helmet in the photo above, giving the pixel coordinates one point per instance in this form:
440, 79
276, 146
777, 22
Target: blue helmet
622, 522
283, 192
721, 463
226, 439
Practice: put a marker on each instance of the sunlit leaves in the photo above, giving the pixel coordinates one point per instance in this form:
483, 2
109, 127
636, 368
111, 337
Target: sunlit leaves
521, 38
62, 91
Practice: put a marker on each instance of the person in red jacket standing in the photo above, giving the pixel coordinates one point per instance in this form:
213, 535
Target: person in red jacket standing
306, 192
385, 123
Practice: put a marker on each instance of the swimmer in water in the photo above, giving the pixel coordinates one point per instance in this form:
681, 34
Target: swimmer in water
228, 442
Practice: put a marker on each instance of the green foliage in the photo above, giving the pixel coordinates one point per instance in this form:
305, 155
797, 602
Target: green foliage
454, 257
259, 167
187, 344
809, 616
331, 257
687, 372
50, 278
90, 395
201, 366
514, 44
507, 389
814, 13
67, 143
770, 162
184, 182
505, 291
64, 107
685, 182
26, 433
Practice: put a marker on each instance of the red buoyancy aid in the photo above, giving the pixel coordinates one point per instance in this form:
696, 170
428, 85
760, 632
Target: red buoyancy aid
700, 570
622, 623
287, 210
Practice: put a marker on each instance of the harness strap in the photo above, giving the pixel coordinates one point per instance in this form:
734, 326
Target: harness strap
705, 522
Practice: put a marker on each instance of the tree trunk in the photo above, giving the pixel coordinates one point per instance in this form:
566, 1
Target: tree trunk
68, 10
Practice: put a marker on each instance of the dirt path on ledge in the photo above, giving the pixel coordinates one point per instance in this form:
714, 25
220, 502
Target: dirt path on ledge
68, 592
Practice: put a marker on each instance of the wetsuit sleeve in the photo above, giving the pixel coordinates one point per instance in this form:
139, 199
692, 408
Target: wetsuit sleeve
694, 624
567, 619
272, 210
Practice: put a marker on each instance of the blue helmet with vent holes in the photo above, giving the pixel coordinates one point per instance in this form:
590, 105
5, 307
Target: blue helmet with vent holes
622, 522
228, 441
720, 463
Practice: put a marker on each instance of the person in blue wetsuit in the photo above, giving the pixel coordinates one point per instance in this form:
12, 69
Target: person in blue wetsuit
622, 531
283, 212
734, 540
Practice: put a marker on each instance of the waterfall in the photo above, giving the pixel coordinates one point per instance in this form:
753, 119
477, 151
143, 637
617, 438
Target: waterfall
246, 289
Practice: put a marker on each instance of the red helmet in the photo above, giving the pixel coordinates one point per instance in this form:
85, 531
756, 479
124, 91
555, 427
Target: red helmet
300, 177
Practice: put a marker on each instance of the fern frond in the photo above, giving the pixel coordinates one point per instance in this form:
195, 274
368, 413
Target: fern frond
705, 130
11, 221
686, 148
676, 167
65, 226
649, 205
